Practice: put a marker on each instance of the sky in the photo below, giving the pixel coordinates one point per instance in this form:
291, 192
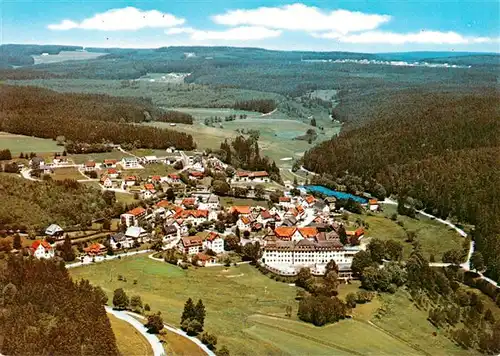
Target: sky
355, 25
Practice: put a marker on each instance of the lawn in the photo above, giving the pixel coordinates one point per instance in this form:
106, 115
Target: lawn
434, 237
230, 201
67, 173
97, 157
26, 144
150, 170
245, 309
176, 345
128, 339
401, 318
125, 198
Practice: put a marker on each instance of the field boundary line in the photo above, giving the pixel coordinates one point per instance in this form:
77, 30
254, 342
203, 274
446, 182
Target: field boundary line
319, 341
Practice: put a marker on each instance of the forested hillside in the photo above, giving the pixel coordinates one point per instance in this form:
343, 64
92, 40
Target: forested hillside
441, 149
84, 118
36, 204
45, 313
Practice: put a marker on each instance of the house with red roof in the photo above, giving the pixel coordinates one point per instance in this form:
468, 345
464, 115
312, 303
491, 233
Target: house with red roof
173, 178
240, 210
89, 166
245, 222
195, 217
132, 217
190, 245
130, 180
95, 249
113, 173
214, 242
196, 175
204, 259
373, 204
256, 177
156, 179
106, 181
189, 203
41, 249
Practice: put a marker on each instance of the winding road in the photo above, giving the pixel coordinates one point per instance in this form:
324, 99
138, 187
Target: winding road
153, 340
466, 264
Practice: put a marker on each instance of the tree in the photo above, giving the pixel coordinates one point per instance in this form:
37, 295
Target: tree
331, 283
259, 191
189, 311
369, 278
376, 248
453, 256
343, 235
155, 323
360, 261
303, 277
313, 122
192, 327
106, 224
120, 299
136, 303
223, 351
331, 266
394, 250
476, 261
16, 242
67, 252
220, 187
170, 194
209, 339
350, 300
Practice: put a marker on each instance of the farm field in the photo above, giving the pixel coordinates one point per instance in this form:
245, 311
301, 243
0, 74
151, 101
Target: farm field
230, 201
434, 238
149, 170
128, 339
26, 144
98, 157
67, 173
246, 309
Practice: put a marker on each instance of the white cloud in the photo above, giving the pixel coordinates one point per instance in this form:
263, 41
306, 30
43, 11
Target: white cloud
128, 18
300, 17
422, 37
243, 33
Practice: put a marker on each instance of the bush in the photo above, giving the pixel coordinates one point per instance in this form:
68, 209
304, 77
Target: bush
209, 340
154, 324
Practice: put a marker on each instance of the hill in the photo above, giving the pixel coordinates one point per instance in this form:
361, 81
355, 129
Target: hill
84, 118
45, 313
37, 204
441, 149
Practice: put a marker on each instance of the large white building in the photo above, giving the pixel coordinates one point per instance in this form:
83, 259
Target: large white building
214, 242
42, 249
288, 257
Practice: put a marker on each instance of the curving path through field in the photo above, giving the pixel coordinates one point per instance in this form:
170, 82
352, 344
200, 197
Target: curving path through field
153, 340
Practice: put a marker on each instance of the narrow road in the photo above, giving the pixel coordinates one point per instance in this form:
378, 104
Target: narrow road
153, 340
466, 264
181, 333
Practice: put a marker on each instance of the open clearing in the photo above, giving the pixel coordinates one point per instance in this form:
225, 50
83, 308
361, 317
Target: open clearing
247, 313
434, 238
67, 173
128, 339
26, 144
66, 56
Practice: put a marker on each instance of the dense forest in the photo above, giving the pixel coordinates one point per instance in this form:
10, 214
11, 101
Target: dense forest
260, 105
84, 118
27, 204
45, 313
441, 149
244, 153
176, 117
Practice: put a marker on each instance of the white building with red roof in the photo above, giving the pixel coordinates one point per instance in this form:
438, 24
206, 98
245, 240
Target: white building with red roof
42, 249
214, 242
132, 217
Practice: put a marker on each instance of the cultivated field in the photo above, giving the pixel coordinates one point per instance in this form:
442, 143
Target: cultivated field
26, 144
67, 173
246, 309
128, 339
230, 201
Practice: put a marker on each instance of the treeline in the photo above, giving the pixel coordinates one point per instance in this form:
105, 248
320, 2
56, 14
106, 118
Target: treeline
25, 74
83, 118
260, 105
45, 313
27, 204
244, 153
176, 117
442, 150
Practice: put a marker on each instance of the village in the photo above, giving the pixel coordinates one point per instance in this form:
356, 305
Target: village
182, 213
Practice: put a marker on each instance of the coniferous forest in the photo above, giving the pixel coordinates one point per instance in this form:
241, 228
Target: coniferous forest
84, 118
45, 313
441, 149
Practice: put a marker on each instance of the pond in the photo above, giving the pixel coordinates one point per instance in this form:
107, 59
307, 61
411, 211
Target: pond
333, 193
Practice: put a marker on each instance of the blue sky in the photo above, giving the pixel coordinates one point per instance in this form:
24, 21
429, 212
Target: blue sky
361, 25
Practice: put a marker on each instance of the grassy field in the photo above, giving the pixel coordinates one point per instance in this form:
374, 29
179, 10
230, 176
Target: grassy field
404, 320
67, 173
125, 198
26, 144
434, 237
98, 157
230, 201
177, 345
246, 310
128, 339
149, 170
